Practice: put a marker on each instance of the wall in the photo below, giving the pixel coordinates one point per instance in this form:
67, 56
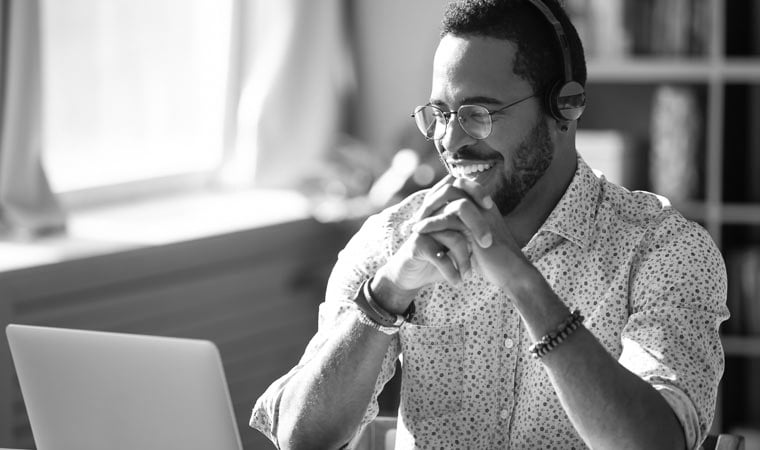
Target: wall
395, 43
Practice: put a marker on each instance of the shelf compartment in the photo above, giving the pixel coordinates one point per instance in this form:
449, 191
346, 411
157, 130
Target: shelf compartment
741, 141
742, 36
740, 389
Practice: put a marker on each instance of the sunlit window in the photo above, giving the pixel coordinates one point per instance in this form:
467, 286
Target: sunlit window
132, 89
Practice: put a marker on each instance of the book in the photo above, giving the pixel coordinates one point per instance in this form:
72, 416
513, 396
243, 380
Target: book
675, 140
668, 27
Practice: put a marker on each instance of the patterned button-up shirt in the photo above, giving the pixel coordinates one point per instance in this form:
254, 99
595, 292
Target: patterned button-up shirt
651, 284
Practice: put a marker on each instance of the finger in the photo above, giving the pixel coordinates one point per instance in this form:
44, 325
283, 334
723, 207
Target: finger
434, 199
438, 199
447, 179
446, 267
475, 190
456, 247
462, 216
437, 255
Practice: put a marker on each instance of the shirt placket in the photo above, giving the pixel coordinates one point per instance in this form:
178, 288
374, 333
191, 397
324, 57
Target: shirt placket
513, 351
510, 335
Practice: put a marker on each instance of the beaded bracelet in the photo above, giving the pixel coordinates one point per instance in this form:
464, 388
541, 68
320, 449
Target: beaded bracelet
551, 340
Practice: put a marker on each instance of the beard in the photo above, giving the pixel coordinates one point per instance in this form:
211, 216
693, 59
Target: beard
531, 160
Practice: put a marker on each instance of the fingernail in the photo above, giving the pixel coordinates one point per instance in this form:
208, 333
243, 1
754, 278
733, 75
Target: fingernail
488, 202
486, 240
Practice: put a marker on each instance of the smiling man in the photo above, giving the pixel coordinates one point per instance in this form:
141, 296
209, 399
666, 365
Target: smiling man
468, 72
533, 303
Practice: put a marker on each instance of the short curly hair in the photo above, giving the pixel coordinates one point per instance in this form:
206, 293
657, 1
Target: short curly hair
539, 57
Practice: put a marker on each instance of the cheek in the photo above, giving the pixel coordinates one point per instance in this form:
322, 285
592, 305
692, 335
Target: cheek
511, 133
506, 145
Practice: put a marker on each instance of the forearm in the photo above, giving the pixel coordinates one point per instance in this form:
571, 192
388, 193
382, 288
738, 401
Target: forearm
609, 406
322, 406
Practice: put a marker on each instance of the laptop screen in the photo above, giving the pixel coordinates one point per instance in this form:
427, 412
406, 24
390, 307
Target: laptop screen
98, 390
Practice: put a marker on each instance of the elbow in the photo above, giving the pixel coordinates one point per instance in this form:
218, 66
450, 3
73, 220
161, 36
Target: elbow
296, 441
296, 436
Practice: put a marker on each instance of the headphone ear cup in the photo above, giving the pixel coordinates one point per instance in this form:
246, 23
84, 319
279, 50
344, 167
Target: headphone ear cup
567, 101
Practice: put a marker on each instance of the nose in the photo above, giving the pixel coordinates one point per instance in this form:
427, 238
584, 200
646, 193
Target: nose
455, 137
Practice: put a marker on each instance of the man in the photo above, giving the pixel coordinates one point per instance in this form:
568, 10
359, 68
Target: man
486, 267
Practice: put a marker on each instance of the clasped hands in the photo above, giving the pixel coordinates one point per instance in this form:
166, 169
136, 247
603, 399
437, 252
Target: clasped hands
457, 223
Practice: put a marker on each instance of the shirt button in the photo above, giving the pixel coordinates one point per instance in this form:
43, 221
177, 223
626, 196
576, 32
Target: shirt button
504, 414
509, 343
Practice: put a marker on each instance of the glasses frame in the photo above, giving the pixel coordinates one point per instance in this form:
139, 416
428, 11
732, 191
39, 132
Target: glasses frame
447, 117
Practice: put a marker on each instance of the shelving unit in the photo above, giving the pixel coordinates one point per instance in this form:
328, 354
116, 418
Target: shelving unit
661, 70
713, 74
742, 346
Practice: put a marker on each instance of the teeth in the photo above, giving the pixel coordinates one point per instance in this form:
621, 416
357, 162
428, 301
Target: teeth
460, 171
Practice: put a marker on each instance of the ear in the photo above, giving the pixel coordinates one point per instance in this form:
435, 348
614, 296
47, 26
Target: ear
563, 132
562, 126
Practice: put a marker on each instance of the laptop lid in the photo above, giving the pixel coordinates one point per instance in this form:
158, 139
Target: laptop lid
97, 390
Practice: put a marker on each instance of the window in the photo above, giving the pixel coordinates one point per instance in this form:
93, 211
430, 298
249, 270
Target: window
132, 89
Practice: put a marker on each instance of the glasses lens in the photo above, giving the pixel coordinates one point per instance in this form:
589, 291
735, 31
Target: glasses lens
430, 121
475, 120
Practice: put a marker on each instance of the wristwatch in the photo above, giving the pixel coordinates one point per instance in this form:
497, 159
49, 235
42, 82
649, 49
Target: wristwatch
374, 315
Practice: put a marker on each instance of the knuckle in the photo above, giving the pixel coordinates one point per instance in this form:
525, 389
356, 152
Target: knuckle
469, 207
420, 240
457, 205
417, 241
467, 185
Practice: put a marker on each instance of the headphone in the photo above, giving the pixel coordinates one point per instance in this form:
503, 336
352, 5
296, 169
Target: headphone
567, 98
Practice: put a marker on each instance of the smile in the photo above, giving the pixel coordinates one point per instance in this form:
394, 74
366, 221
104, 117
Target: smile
468, 170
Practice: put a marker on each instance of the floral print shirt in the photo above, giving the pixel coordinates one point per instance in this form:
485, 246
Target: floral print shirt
651, 284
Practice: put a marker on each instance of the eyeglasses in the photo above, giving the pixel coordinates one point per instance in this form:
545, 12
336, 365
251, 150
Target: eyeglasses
475, 120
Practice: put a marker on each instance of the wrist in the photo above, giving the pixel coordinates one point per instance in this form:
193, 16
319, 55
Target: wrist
523, 282
390, 296
537, 303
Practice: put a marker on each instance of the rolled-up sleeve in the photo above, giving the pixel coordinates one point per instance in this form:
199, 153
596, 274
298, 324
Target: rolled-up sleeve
363, 255
678, 301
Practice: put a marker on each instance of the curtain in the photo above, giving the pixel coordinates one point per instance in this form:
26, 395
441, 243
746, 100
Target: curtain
28, 207
291, 74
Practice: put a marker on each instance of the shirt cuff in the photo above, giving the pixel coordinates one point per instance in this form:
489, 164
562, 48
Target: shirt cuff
684, 409
266, 412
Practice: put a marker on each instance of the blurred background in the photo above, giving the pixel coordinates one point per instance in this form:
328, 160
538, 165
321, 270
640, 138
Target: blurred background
192, 167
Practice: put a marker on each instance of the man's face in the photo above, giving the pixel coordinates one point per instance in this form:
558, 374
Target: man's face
509, 162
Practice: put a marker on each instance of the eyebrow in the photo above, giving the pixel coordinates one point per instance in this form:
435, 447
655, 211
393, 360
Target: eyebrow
480, 99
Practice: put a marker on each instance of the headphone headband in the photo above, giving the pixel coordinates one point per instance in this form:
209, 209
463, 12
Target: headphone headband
567, 99
559, 32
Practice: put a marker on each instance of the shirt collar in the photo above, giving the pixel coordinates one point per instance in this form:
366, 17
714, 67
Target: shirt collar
573, 217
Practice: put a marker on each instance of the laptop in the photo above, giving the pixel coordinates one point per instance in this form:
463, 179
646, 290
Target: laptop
91, 390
